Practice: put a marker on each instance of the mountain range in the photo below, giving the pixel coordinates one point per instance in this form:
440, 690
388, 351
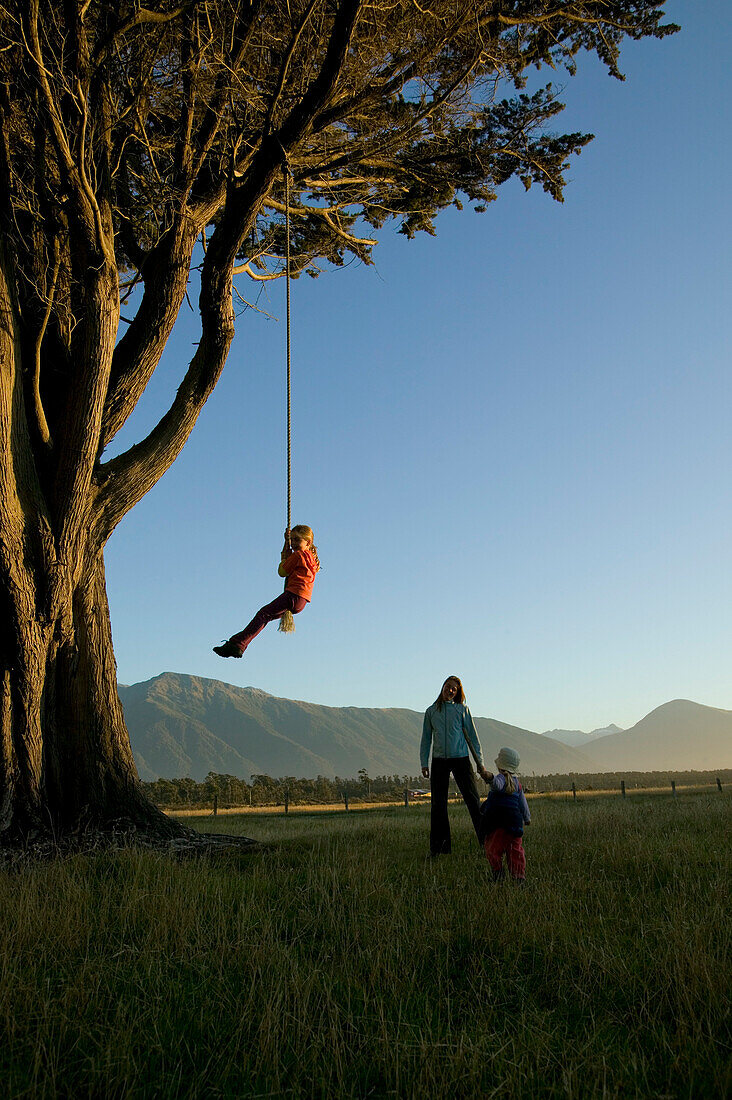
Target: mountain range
578, 738
187, 726
677, 736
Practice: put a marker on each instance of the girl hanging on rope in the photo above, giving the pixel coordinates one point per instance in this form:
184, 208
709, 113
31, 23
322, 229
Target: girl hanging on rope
298, 564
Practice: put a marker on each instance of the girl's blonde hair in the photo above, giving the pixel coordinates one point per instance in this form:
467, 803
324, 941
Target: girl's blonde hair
510, 783
302, 531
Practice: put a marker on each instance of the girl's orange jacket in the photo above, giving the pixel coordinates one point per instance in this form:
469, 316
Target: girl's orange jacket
300, 568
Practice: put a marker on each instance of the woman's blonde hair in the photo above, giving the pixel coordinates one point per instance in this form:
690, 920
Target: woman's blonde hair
302, 531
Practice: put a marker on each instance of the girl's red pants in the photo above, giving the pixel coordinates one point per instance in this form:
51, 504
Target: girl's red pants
499, 842
288, 601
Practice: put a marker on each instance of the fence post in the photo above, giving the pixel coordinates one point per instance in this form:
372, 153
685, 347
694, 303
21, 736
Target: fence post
622, 787
673, 787
406, 796
719, 783
574, 792
287, 800
216, 805
345, 798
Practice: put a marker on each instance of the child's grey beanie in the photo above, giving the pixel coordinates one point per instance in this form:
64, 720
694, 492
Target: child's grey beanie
508, 759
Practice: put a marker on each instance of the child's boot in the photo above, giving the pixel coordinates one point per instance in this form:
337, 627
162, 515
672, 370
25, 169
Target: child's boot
228, 649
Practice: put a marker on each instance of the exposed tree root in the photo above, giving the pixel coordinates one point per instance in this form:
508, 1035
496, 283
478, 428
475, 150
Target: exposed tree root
120, 835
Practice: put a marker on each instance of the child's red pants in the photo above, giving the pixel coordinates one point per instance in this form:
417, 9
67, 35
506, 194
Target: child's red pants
288, 601
499, 842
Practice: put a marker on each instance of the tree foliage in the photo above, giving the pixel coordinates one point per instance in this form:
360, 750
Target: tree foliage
129, 132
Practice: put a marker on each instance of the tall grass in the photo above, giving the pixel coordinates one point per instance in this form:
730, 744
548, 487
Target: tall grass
341, 962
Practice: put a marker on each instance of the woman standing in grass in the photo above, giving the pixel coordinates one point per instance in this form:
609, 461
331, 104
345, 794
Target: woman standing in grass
449, 730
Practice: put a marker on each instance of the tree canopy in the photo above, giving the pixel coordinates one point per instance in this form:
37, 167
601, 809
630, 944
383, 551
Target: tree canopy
130, 132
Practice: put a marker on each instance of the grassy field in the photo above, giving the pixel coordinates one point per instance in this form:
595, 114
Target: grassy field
341, 962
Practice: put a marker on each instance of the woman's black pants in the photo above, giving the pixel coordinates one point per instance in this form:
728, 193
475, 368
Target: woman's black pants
440, 770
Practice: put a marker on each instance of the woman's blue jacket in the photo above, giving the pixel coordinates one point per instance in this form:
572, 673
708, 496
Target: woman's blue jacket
450, 731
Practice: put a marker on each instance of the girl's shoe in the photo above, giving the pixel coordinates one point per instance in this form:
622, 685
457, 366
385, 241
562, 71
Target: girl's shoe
228, 649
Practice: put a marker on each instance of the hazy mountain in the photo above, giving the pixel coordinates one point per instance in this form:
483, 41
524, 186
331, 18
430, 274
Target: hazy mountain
578, 738
186, 725
680, 735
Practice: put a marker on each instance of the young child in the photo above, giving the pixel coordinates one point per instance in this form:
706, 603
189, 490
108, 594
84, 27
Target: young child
504, 814
298, 564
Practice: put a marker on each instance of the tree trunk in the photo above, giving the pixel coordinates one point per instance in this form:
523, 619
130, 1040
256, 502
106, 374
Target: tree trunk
66, 756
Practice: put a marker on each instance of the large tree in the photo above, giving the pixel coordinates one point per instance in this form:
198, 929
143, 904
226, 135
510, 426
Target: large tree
139, 141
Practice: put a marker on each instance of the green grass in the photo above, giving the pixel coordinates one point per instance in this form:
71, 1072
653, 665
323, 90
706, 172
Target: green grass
343, 963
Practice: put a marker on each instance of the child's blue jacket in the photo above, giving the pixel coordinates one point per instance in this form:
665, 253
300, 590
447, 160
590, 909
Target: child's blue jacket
450, 731
504, 811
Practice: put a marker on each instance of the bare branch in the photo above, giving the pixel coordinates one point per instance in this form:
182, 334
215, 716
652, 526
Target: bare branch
88, 207
286, 65
139, 19
40, 415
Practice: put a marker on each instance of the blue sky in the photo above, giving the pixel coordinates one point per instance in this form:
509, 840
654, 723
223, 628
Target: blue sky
511, 440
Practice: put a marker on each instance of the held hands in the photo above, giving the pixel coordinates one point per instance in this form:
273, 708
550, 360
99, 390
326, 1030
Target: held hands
484, 774
426, 772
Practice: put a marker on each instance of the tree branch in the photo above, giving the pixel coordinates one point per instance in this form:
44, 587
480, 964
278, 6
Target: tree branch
241, 37
286, 65
301, 116
141, 17
40, 415
124, 480
138, 352
88, 212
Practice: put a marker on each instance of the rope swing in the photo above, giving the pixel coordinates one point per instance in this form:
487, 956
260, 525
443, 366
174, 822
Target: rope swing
287, 622
289, 364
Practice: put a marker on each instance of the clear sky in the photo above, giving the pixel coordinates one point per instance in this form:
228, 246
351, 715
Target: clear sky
511, 440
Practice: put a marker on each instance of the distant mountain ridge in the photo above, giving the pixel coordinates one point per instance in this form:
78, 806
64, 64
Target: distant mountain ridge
187, 726
578, 738
680, 735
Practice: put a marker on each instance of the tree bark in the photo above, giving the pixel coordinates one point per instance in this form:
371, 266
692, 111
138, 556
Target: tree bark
61, 697
65, 755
